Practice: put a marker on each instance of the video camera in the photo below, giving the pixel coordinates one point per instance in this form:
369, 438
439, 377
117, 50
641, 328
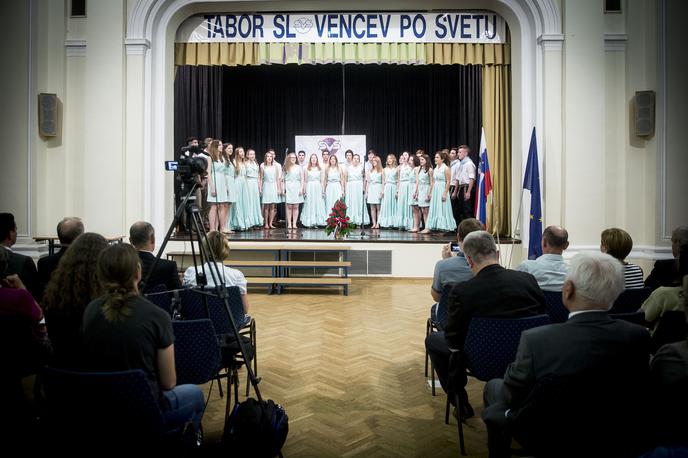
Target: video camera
188, 166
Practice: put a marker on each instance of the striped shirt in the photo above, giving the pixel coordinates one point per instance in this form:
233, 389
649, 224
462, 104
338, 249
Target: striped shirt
633, 276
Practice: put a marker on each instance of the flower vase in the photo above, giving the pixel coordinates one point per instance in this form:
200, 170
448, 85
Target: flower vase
338, 232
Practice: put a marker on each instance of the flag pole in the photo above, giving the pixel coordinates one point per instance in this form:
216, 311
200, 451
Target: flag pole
516, 228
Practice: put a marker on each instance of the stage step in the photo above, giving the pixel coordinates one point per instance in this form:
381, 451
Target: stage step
269, 263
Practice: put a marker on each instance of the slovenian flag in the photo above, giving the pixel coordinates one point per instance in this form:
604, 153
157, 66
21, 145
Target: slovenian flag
531, 182
484, 182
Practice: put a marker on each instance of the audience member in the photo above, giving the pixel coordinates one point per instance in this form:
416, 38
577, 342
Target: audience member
665, 271
666, 298
453, 268
18, 263
610, 355
24, 348
124, 331
142, 236
218, 245
549, 269
669, 378
493, 292
67, 231
72, 286
618, 243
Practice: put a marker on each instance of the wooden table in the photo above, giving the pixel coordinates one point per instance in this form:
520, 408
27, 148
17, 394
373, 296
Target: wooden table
51, 239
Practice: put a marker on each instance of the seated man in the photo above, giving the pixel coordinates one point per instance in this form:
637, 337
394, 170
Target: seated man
665, 272
67, 230
611, 356
493, 292
453, 268
549, 269
18, 264
142, 236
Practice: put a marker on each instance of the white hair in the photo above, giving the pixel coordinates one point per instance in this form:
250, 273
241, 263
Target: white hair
597, 277
480, 246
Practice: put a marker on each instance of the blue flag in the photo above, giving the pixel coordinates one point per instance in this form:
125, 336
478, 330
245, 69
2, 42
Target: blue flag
531, 182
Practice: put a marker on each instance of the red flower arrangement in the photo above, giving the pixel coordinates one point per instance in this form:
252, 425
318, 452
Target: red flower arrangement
338, 222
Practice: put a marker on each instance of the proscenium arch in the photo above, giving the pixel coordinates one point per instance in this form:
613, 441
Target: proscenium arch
152, 25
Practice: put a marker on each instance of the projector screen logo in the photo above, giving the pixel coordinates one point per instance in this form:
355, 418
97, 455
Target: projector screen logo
329, 144
303, 25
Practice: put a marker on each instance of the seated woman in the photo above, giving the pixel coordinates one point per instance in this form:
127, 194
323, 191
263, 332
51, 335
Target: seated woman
124, 331
70, 289
218, 245
618, 243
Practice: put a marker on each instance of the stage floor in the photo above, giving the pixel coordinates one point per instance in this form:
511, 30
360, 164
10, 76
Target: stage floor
357, 236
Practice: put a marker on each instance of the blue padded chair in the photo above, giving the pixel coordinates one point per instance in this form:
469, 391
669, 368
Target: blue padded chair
193, 306
439, 314
554, 307
196, 351
160, 297
630, 300
489, 348
102, 410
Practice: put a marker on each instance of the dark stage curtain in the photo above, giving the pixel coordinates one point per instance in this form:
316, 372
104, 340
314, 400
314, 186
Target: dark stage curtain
398, 107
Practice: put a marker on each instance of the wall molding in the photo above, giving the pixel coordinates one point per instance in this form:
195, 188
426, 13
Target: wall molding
75, 48
137, 46
615, 42
551, 41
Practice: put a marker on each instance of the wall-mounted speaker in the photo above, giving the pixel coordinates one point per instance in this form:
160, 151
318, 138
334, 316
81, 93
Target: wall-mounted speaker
644, 113
47, 115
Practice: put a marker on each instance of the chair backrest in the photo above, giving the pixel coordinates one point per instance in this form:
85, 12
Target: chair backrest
491, 343
193, 308
102, 406
196, 351
632, 317
442, 312
161, 297
630, 300
671, 328
554, 307
611, 410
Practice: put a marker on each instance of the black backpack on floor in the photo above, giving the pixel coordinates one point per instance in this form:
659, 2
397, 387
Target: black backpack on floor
256, 429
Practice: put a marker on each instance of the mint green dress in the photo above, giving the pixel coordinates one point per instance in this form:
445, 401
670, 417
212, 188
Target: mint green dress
407, 182
292, 184
355, 207
237, 215
388, 208
440, 217
254, 215
374, 187
270, 185
218, 184
423, 187
230, 173
313, 211
334, 189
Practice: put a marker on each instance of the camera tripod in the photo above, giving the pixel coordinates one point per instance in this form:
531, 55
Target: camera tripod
189, 207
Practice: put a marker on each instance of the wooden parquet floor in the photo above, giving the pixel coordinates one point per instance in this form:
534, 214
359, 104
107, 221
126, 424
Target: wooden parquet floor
349, 372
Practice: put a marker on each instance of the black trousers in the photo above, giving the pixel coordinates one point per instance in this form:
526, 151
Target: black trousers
498, 435
455, 205
466, 206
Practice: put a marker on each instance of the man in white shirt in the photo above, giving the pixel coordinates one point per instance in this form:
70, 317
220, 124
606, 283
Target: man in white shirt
369, 162
301, 156
463, 186
549, 269
455, 166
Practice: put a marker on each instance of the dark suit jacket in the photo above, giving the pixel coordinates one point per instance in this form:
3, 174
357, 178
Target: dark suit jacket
165, 272
664, 273
496, 292
47, 265
24, 266
589, 343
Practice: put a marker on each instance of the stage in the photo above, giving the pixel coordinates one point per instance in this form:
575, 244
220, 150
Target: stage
378, 252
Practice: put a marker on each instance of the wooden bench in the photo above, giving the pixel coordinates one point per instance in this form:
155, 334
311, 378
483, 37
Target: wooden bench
52, 239
281, 264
